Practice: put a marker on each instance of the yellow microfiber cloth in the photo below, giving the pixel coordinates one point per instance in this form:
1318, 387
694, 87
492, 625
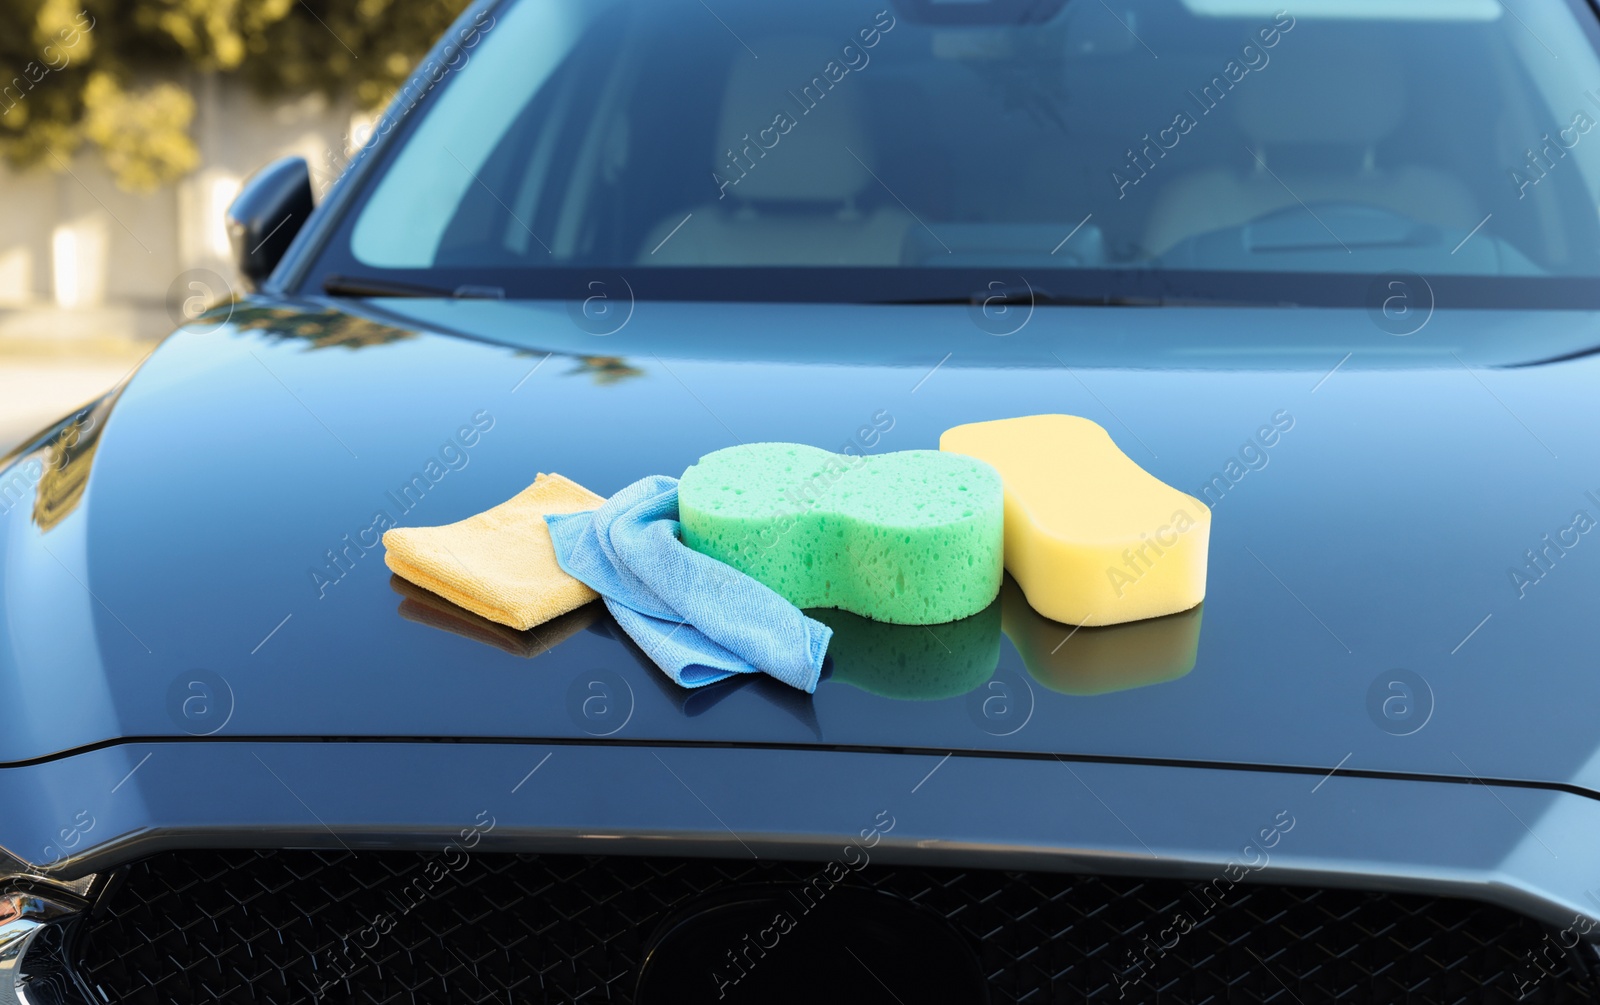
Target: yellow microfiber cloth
499, 564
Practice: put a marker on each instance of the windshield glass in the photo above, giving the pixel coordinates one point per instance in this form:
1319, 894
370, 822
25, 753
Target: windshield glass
1078, 143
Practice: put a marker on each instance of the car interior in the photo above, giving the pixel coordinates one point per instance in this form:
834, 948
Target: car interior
944, 146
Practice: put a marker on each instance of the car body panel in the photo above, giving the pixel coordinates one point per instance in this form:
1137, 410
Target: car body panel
1377, 537
1523, 848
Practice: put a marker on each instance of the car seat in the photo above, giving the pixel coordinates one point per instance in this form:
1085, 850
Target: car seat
807, 200
1315, 119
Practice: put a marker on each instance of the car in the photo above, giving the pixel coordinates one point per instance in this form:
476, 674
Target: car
1330, 268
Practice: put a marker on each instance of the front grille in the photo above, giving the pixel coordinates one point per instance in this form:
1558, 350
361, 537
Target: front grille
278, 926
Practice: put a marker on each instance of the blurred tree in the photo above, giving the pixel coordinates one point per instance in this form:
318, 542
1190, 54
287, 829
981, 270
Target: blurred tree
322, 329
114, 73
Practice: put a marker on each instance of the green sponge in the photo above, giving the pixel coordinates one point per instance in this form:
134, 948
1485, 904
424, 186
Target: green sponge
911, 538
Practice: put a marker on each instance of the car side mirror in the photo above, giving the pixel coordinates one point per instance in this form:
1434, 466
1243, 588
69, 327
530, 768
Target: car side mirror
271, 208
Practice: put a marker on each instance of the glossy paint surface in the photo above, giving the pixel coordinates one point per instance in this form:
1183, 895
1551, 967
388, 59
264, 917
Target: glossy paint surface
169, 574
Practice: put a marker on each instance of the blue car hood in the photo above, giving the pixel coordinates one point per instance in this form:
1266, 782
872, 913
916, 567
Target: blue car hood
1402, 577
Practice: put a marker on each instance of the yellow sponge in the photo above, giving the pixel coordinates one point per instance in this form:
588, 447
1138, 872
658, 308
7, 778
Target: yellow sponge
499, 564
1091, 537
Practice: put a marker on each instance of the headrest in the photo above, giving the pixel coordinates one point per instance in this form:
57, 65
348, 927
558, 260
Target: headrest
788, 84
1333, 95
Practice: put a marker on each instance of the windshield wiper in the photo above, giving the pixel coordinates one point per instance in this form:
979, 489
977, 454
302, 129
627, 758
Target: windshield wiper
1037, 297
1045, 298
356, 286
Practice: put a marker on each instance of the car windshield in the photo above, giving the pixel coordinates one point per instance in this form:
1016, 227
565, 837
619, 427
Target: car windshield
905, 149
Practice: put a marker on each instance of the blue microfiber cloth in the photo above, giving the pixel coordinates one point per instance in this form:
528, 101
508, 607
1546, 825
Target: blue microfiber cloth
699, 619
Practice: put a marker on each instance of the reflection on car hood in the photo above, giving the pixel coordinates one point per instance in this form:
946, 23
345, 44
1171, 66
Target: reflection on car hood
1401, 576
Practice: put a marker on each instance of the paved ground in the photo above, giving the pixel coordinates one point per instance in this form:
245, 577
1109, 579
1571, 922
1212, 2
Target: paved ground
39, 383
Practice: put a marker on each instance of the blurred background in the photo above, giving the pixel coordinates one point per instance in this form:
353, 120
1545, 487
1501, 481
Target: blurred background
126, 129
